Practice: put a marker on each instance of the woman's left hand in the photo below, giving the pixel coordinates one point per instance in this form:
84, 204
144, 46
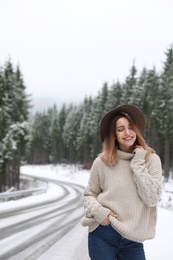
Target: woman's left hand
137, 147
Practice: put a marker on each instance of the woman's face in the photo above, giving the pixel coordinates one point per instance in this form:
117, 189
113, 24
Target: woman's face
125, 136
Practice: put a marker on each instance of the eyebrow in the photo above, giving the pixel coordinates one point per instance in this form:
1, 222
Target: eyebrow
120, 126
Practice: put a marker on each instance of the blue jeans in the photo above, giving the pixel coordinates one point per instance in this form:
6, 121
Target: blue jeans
105, 243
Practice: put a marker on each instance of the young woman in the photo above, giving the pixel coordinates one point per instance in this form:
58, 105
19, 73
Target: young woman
124, 188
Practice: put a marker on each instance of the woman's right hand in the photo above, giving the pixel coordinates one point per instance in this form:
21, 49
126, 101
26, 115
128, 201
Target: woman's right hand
106, 221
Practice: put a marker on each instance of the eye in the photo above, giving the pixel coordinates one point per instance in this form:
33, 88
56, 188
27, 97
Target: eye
120, 129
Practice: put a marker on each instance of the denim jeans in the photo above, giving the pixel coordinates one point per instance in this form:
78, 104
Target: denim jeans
105, 243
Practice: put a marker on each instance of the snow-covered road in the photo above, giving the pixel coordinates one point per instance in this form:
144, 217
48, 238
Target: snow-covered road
73, 246
28, 230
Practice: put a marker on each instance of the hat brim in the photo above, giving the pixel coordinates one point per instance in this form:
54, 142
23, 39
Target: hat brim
134, 112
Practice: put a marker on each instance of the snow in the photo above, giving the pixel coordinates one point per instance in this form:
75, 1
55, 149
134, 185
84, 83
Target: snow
74, 244
161, 248
53, 192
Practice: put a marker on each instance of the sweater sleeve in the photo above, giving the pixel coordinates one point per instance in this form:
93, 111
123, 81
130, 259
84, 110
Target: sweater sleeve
148, 177
92, 208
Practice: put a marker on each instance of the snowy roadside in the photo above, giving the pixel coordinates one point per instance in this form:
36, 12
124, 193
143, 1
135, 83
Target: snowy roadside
160, 248
73, 246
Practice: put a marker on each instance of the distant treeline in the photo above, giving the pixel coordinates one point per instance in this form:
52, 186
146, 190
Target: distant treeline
71, 134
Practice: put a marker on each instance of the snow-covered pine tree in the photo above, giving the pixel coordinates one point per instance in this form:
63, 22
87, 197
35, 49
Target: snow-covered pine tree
151, 106
70, 132
129, 87
14, 129
114, 96
165, 116
84, 137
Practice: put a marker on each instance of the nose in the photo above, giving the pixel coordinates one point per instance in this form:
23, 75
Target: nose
127, 130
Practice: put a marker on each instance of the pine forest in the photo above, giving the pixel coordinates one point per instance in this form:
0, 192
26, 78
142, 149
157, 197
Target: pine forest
71, 134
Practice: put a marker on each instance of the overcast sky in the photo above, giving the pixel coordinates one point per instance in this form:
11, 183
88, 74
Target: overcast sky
67, 49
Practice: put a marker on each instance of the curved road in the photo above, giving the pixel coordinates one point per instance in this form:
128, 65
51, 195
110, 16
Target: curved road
28, 232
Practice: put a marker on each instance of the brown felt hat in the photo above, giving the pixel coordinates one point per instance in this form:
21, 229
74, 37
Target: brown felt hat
134, 112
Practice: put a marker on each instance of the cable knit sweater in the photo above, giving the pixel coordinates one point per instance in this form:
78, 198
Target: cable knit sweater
131, 188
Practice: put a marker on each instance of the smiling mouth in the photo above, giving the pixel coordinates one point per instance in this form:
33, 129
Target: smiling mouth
128, 138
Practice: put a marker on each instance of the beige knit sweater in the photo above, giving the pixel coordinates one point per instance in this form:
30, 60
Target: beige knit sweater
131, 188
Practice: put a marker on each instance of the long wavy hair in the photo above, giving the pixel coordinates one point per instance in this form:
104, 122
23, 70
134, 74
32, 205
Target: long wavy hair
110, 143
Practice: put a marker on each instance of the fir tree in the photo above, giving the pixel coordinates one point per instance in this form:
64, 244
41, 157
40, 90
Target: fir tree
13, 126
165, 116
129, 87
114, 96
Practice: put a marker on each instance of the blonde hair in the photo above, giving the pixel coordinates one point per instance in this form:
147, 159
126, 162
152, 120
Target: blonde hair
110, 144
